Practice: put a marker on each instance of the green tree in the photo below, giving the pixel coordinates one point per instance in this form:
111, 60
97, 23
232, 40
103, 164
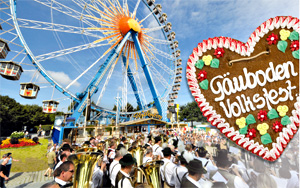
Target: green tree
129, 108
191, 112
13, 116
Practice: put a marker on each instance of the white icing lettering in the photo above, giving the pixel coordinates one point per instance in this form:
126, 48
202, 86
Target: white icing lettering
248, 103
219, 88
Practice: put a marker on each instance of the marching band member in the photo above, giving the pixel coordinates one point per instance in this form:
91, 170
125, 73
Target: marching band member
207, 163
97, 177
123, 180
148, 156
167, 169
115, 166
181, 171
111, 153
195, 171
148, 141
157, 150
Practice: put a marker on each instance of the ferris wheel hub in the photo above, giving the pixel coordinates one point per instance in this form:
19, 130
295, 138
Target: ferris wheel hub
127, 23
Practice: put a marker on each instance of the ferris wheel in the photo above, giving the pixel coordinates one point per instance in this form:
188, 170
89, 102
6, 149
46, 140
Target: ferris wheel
104, 49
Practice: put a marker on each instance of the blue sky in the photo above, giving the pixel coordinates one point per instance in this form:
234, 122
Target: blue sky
192, 20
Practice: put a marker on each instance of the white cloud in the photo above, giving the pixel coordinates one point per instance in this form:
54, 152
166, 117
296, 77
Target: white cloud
61, 77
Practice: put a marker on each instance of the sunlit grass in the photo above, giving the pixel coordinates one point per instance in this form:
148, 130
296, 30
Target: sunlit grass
32, 158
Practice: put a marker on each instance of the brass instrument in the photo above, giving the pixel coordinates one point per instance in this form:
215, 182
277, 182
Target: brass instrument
127, 145
107, 141
152, 173
86, 149
101, 146
118, 141
138, 154
84, 167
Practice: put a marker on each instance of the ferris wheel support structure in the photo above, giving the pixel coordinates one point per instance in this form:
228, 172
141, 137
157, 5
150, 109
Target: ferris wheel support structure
147, 72
133, 84
93, 86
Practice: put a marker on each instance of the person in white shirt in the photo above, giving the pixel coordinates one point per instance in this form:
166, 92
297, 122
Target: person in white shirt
195, 172
63, 158
148, 156
148, 141
97, 177
168, 168
98, 139
181, 171
208, 164
111, 151
123, 180
157, 150
63, 175
115, 166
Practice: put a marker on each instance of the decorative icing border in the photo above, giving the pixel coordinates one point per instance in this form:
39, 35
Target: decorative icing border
244, 50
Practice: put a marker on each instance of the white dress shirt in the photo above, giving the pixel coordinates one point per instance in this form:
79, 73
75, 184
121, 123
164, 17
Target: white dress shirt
180, 171
239, 183
169, 173
147, 159
209, 166
97, 177
157, 150
112, 154
114, 168
126, 182
60, 182
58, 164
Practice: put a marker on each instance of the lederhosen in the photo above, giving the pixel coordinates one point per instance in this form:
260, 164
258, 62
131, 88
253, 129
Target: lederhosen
121, 177
186, 183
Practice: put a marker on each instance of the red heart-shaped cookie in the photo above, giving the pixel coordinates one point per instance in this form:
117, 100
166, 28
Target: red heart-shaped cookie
250, 92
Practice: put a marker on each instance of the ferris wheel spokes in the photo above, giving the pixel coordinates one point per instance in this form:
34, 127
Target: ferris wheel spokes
58, 53
65, 10
34, 24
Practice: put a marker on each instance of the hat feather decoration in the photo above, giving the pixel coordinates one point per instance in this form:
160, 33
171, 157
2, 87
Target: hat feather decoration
181, 146
188, 156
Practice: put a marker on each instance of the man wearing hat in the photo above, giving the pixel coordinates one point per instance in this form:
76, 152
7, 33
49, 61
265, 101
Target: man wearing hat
156, 148
208, 164
195, 170
123, 180
223, 165
167, 169
181, 171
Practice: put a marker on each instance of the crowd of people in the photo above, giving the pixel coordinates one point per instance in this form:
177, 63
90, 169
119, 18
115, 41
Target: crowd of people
184, 159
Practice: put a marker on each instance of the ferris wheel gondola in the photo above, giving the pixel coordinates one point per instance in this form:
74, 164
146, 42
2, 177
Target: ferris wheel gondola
10, 70
4, 49
50, 106
29, 90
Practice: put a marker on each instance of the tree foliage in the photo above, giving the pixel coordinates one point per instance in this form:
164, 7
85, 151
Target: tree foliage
130, 108
191, 112
13, 116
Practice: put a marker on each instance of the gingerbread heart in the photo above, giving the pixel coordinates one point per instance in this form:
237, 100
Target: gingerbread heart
250, 92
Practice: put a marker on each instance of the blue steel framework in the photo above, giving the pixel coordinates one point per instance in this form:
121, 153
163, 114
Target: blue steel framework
81, 99
93, 86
